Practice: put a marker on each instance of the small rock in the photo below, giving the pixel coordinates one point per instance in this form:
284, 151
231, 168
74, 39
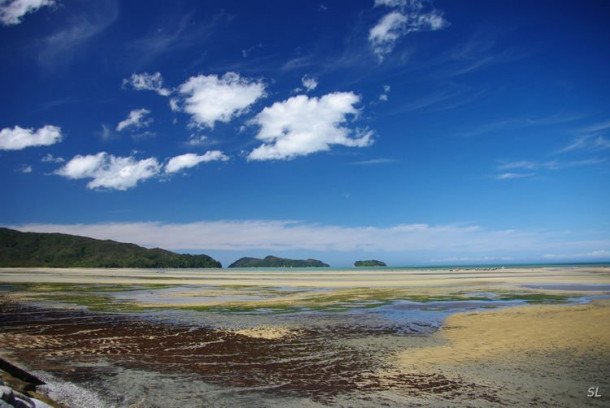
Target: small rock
22, 401
5, 404
21, 404
40, 404
1, 381
7, 394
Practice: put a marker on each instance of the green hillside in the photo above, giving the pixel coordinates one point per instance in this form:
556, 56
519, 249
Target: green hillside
32, 249
275, 262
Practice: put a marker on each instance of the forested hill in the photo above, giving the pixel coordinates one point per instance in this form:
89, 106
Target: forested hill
370, 262
32, 249
275, 262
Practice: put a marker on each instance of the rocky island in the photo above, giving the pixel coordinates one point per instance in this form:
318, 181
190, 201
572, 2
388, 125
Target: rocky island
33, 249
369, 263
275, 262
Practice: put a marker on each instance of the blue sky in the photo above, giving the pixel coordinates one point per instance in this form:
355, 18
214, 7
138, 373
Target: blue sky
410, 131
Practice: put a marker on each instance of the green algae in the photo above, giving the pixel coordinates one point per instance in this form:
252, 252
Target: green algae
99, 297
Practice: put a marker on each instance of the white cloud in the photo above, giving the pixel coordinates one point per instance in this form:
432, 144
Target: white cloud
309, 83
136, 119
77, 29
374, 161
210, 99
408, 17
246, 52
49, 158
596, 254
282, 235
110, 172
197, 140
522, 164
587, 142
189, 160
546, 165
597, 127
391, 3
19, 138
25, 169
510, 176
174, 104
387, 31
12, 11
147, 82
106, 133
384, 96
302, 125
591, 139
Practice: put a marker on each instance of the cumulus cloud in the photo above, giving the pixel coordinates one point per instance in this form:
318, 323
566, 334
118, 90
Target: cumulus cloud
408, 17
19, 138
12, 11
309, 83
210, 99
110, 172
188, 160
302, 125
147, 82
136, 119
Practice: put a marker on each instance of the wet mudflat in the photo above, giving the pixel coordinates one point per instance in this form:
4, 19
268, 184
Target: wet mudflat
319, 365
166, 338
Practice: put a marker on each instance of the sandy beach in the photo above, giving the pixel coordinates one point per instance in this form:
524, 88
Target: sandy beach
334, 278
393, 337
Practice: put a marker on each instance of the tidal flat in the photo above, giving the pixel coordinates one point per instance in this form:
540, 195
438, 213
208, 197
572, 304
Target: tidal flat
311, 337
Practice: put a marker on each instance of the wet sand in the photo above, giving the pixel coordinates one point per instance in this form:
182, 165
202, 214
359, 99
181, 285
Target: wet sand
356, 355
537, 355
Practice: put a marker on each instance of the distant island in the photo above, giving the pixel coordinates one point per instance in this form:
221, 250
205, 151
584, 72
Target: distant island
371, 262
32, 249
275, 262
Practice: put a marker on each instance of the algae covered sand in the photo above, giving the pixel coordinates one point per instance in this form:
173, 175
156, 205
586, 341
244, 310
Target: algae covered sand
251, 289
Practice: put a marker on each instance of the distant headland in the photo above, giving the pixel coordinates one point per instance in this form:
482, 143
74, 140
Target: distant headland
275, 262
369, 263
